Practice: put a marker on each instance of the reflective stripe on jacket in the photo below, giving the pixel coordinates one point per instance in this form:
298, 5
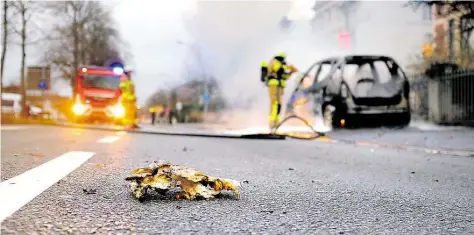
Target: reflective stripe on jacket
276, 73
128, 91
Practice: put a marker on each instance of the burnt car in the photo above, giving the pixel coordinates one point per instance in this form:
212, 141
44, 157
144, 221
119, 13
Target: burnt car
351, 90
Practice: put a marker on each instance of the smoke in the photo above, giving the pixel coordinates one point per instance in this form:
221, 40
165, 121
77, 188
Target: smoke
236, 36
233, 37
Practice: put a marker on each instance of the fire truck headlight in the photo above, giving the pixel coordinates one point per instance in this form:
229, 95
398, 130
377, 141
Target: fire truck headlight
79, 109
118, 111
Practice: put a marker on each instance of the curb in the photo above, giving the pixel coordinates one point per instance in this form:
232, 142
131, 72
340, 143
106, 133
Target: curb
441, 151
267, 136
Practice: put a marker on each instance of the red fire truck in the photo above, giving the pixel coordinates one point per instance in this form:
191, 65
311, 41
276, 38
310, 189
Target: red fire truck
98, 95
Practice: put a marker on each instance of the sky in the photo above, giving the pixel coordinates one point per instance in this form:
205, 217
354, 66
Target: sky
158, 35
152, 29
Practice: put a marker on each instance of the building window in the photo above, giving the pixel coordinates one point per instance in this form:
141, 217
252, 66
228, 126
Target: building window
465, 24
451, 38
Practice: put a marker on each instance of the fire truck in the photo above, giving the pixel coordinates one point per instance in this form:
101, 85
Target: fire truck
97, 95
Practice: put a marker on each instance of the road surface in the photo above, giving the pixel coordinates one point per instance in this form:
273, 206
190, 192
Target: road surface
66, 180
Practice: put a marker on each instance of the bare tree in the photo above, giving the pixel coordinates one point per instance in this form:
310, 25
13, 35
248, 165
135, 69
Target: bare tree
6, 23
73, 16
86, 35
26, 10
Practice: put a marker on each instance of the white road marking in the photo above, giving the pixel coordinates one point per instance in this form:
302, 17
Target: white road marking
108, 139
18, 191
12, 128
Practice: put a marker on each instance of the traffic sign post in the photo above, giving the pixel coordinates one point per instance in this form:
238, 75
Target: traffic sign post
38, 78
42, 85
206, 98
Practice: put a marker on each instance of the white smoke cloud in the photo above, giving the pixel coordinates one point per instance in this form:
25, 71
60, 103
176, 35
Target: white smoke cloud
235, 36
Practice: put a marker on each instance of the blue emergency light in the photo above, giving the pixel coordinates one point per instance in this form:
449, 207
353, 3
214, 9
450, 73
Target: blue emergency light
118, 70
117, 67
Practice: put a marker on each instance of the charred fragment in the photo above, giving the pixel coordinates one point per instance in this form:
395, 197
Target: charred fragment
165, 176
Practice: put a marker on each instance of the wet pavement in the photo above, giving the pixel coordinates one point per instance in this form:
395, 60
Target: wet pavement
292, 186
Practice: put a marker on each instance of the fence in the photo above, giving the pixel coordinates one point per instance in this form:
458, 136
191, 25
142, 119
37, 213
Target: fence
447, 98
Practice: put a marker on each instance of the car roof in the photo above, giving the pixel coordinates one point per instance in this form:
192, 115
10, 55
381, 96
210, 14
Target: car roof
367, 57
355, 57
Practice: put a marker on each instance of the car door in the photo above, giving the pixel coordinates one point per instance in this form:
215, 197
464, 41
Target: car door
301, 94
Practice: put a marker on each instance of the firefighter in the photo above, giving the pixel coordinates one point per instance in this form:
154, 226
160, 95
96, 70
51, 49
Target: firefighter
153, 115
274, 75
129, 98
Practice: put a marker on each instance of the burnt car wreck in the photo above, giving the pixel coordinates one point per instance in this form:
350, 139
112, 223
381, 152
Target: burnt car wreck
352, 90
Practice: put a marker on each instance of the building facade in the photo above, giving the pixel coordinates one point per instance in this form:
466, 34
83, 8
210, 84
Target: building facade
373, 27
452, 35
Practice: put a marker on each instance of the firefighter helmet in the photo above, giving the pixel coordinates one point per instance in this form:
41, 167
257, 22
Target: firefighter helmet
281, 54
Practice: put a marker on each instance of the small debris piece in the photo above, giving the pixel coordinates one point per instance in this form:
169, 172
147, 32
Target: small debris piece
245, 181
35, 155
101, 166
267, 211
413, 172
89, 191
290, 169
185, 149
194, 184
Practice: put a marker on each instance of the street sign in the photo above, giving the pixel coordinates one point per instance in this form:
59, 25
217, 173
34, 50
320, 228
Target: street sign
38, 77
206, 98
344, 40
42, 85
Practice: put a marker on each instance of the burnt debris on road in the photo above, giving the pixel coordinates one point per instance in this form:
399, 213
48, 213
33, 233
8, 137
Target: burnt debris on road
193, 184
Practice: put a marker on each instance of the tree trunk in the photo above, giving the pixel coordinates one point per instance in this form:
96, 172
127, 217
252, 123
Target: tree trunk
23, 61
75, 36
4, 42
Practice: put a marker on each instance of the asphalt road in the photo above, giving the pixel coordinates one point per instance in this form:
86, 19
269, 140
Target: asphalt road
294, 186
417, 134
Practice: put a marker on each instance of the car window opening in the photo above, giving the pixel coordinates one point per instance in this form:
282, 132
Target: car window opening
324, 72
379, 70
